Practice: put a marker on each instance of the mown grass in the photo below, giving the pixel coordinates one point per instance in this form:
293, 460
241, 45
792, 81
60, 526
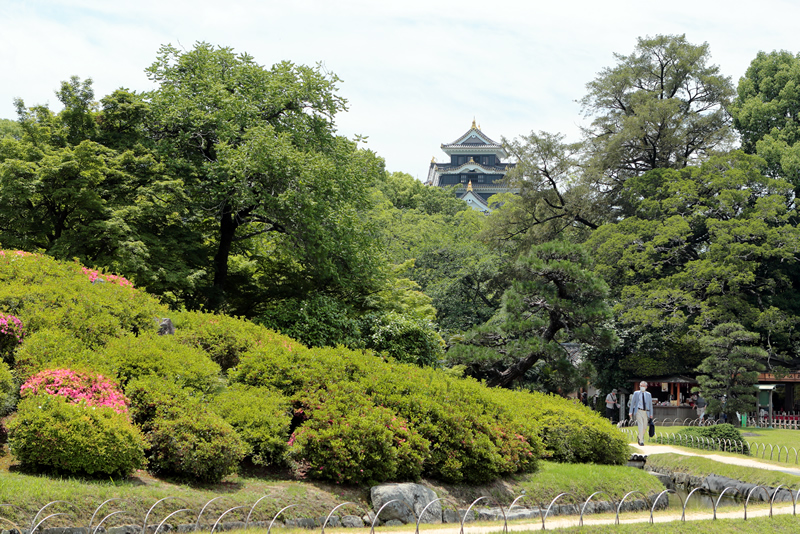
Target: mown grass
28, 493
582, 480
700, 466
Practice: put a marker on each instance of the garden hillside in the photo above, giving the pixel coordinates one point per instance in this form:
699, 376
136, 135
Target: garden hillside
88, 386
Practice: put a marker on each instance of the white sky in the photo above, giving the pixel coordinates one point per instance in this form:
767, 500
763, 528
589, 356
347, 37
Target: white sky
415, 72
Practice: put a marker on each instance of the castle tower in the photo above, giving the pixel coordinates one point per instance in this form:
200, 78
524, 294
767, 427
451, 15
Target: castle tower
475, 168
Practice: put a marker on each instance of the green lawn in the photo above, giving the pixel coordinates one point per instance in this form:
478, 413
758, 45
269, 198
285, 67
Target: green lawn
785, 440
699, 466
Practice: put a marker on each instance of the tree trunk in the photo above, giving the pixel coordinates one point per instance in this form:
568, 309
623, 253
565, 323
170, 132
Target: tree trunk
507, 377
227, 231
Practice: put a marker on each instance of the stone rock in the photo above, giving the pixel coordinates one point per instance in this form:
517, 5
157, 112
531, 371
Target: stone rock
127, 529
409, 501
165, 327
664, 479
394, 523
352, 521
333, 522
368, 518
450, 516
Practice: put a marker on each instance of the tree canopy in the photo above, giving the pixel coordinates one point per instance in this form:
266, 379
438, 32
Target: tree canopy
766, 112
707, 244
258, 154
662, 106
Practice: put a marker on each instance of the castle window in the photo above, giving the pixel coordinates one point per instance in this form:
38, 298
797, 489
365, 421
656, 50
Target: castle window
463, 178
480, 178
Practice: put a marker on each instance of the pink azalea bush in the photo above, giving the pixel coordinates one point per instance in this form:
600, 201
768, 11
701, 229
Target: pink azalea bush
15, 253
94, 274
11, 325
78, 387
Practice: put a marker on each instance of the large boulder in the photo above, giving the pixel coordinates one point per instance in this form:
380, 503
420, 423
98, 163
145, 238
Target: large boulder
409, 501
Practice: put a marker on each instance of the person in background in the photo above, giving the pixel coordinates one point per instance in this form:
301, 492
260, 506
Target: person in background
612, 406
701, 407
641, 409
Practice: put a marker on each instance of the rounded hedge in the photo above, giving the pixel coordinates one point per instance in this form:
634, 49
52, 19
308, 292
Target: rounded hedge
348, 440
49, 433
55, 347
46, 293
260, 416
150, 354
8, 389
184, 439
194, 445
222, 338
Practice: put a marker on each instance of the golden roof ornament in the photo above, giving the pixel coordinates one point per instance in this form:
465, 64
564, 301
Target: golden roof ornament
473, 123
469, 186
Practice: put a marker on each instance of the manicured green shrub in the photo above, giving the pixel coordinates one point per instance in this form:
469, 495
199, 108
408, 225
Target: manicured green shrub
49, 433
194, 445
406, 339
147, 354
260, 416
472, 438
8, 390
223, 338
184, 438
349, 440
571, 432
152, 395
45, 293
54, 347
720, 432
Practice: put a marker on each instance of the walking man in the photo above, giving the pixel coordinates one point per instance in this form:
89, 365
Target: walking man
612, 406
641, 409
701, 407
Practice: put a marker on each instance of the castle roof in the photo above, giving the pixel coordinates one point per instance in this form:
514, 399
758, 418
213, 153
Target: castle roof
474, 141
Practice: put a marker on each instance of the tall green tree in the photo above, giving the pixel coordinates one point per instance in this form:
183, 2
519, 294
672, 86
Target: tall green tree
65, 190
436, 237
554, 298
707, 244
258, 154
766, 112
729, 373
553, 202
662, 106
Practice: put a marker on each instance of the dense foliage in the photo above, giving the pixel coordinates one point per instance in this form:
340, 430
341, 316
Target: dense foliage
328, 413
49, 433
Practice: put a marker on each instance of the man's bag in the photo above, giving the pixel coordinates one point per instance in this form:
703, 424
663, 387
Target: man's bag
652, 431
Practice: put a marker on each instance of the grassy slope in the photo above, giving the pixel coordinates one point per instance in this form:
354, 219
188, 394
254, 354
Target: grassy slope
30, 492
